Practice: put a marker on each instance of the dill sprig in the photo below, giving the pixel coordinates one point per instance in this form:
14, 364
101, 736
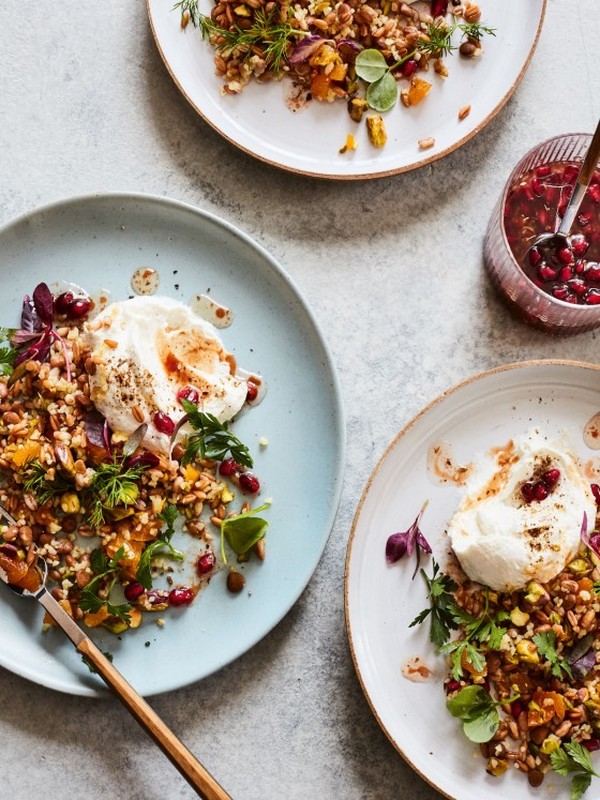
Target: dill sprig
439, 39
265, 32
111, 486
475, 30
37, 483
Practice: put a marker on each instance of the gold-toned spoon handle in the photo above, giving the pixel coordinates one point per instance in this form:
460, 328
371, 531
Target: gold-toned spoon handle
187, 764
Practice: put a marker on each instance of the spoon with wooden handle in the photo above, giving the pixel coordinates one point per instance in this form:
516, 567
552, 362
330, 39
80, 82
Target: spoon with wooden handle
29, 580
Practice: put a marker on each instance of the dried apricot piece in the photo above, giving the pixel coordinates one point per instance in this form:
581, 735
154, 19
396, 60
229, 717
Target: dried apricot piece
418, 90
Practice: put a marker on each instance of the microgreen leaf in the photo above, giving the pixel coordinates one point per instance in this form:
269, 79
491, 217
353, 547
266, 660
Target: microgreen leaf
44, 303
156, 549
477, 711
383, 94
105, 577
243, 531
370, 65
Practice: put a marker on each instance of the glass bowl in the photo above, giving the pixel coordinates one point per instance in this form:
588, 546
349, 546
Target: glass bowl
525, 297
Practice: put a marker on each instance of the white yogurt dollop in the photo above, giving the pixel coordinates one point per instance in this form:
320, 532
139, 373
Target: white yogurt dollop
148, 349
501, 540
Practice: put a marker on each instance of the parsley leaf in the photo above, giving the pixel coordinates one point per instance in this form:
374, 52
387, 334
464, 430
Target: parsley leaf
574, 759
546, 645
442, 608
211, 439
105, 577
160, 547
461, 650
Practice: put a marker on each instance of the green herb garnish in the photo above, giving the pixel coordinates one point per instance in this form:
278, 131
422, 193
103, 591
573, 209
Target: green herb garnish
111, 486
211, 439
106, 575
442, 606
35, 481
484, 630
271, 37
371, 66
478, 712
546, 645
160, 547
89, 664
8, 353
243, 531
573, 759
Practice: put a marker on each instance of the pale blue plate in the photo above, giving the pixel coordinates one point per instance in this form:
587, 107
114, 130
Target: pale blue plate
98, 242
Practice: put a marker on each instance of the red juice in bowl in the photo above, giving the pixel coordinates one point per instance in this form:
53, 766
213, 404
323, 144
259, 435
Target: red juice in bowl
556, 293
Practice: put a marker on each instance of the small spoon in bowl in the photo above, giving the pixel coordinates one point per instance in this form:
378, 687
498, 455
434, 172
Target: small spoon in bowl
549, 244
29, 580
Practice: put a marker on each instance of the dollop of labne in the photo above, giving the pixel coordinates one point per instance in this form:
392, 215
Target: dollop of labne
149, 348
501, 540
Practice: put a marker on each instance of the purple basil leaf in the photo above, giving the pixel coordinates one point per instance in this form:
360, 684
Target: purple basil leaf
582, 664
23, 337
422, 542
352, 44
144, 459
106, 432
94, 429
29, 317
395, 547
305, 49
44, 303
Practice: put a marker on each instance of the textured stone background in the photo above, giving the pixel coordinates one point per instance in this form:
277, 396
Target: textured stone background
392, 269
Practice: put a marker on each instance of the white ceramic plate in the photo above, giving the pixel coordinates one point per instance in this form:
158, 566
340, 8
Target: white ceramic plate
98, 242
307, 141
381, 600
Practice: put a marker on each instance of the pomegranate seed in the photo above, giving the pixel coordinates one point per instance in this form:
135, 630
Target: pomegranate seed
570, 173
591, 744
205, 563
584, 219
579, 267
439, 8
543, 171
592, 298
551, 477
537, 187
249, 482
561, 292
63, 302
79, 307
452, 686
535, 256
163, 423
542, 217
579, 244
228, 467
251, 392
578, 286
565, 255
517, 708
528, 492
596, 492
189, 393
182, 596
409, 67
592, 272
594, 192
9, 550
546, 273
133, 591
565, 273
540, 492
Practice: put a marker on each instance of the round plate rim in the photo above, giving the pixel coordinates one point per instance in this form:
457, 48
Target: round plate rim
511, 367
363, 175
336, 391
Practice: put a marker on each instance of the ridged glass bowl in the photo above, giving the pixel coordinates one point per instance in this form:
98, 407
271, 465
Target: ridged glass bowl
527, 300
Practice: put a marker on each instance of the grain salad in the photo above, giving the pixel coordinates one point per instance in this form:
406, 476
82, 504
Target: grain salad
522, 655
366, 53
102, 505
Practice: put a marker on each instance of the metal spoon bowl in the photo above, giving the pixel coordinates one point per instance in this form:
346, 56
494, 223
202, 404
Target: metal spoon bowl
550, 243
